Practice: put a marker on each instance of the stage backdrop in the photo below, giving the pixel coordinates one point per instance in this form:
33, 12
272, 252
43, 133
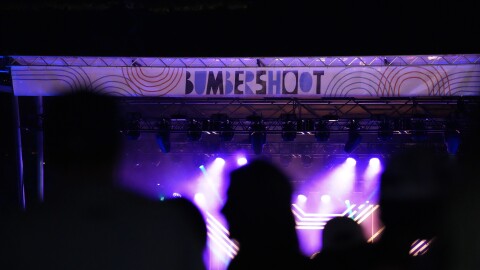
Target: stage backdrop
309, 82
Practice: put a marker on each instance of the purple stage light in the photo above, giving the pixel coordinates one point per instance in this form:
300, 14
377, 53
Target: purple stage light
301, 198
220, 161
374, 162
199, 199
325, 198
241, 161
177, 195
351, 162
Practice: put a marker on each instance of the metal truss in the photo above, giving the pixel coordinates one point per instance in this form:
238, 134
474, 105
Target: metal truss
272, 110
231, 62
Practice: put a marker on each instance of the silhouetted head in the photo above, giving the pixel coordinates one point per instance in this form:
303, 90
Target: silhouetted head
185, 223
342, 233
412, 189
81, 134
259, 203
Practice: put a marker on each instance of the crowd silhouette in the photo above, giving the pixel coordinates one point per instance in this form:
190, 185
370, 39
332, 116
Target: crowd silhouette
89, 222
259, 216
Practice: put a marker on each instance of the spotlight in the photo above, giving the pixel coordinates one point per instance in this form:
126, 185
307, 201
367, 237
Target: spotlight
163, 135
419, 131
199, 199
322, 134
132, 131
289, 127
301, 198
375, 162
325, 198
176, 195
194, 131
226, 131
385, 131
285, 160
307, 161
241, 161
258, 135
351, 162
452, 138
221, 124
354, 138
220, 161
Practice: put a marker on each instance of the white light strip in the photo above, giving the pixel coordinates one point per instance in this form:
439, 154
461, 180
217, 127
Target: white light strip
417, 245
352, 214
347, 210
301, 223
225, 245
218, 223
423, 248
309, 227
309, 218
213, 238
221, 237
319, 215
363, 212
375, 235
369, 213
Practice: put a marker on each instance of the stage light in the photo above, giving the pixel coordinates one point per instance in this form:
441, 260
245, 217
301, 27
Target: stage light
354, 138
452, 138
285, 160
289, 127
351, 162
307, 160
132, 131
375, 162
325, 198
163, 135
226, 131
220, 161
176, 195
322, 134
419, 131
199, 199
194, 131
258, 135
301, 198
385, 131
221, 124
289, 131
241, 161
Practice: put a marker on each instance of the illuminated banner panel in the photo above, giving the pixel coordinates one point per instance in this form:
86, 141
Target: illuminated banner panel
303, 82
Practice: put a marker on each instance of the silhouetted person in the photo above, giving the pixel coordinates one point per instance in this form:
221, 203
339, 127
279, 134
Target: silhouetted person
342, 238
413, 196
86, 221
461, 221
260, 219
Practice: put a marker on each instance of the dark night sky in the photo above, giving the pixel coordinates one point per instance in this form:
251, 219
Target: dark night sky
203, 28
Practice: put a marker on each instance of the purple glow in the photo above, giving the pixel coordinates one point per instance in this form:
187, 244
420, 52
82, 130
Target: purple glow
177, 195
325, 198
241, 161
374, 162
371, 177
199, 199
301, 198
351, 162
220, 161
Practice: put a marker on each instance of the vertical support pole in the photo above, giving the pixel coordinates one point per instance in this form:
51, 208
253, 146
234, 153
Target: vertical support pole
40, 159
18, 141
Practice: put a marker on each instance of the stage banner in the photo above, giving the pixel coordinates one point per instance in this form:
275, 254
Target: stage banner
309, 82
